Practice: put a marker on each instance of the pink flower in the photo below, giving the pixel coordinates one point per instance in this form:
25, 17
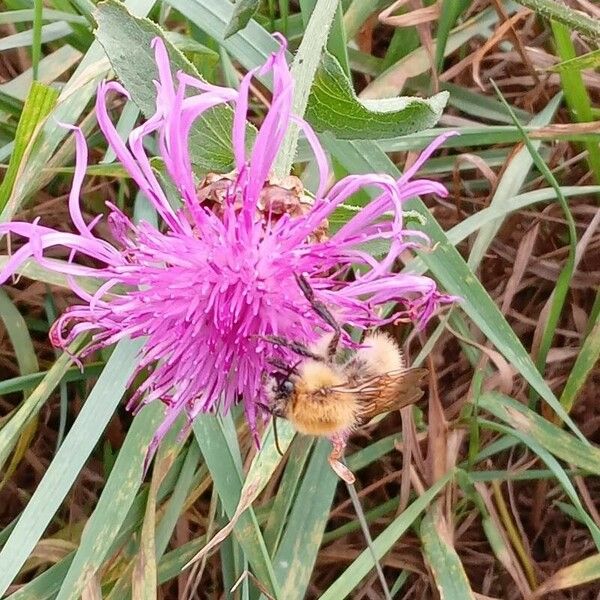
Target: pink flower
204, 289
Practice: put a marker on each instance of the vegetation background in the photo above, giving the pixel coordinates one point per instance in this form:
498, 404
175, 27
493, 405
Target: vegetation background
488, 489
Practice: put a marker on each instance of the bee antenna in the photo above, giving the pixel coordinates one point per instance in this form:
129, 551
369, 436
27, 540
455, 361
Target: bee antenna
276, 436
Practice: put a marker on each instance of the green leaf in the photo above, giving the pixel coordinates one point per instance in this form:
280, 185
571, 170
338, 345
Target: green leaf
69, 460
442, 559
333, 106
360, 567
218, 444
573, 19
118, 495
40, 101
587, 359
302, 538
551, 437
590, 60
450, 10
243, 11
118, 31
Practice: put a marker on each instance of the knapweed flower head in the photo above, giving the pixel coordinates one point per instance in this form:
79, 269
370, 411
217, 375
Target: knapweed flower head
206, 289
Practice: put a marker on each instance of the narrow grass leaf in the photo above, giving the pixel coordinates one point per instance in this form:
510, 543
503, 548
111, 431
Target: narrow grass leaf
48, 14
559, 294
575, 90
556, 468
73, 100
553, 438
119, 492
31, 406
509, 184
573, 19
589, 60
40, 101
243, 11
27, 362
343, 586
69, 460
224, 464
471, 224
586, 360
442, 559
287, 491
48, 33
450, 10
583, 571
297, 552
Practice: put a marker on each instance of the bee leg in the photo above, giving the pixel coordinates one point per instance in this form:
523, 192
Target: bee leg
296, 347
323, 312
338, 443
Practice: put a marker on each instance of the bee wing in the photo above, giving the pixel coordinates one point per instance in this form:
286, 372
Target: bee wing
386, 392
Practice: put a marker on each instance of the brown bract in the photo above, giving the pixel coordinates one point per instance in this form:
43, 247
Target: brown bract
278, 197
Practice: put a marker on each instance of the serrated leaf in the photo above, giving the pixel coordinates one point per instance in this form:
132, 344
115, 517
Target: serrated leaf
118, 32
243, 11
334, 106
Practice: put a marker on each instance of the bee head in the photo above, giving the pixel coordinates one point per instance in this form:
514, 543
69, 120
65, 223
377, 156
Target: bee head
282, 391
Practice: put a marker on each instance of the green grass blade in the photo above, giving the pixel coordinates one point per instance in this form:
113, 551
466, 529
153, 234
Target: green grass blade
36, 48
450, 269
69, 460
448, 572
29, 409
343, 586
73, 99
19, 335
586, 360
561, 288
302, 537
40, 101
221, 454
303, 71
573, 19
47, 33
450, 10
48, 14
23, 382
119, 492
559, 473
550, 436
575, 90
287, 491
510, 184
